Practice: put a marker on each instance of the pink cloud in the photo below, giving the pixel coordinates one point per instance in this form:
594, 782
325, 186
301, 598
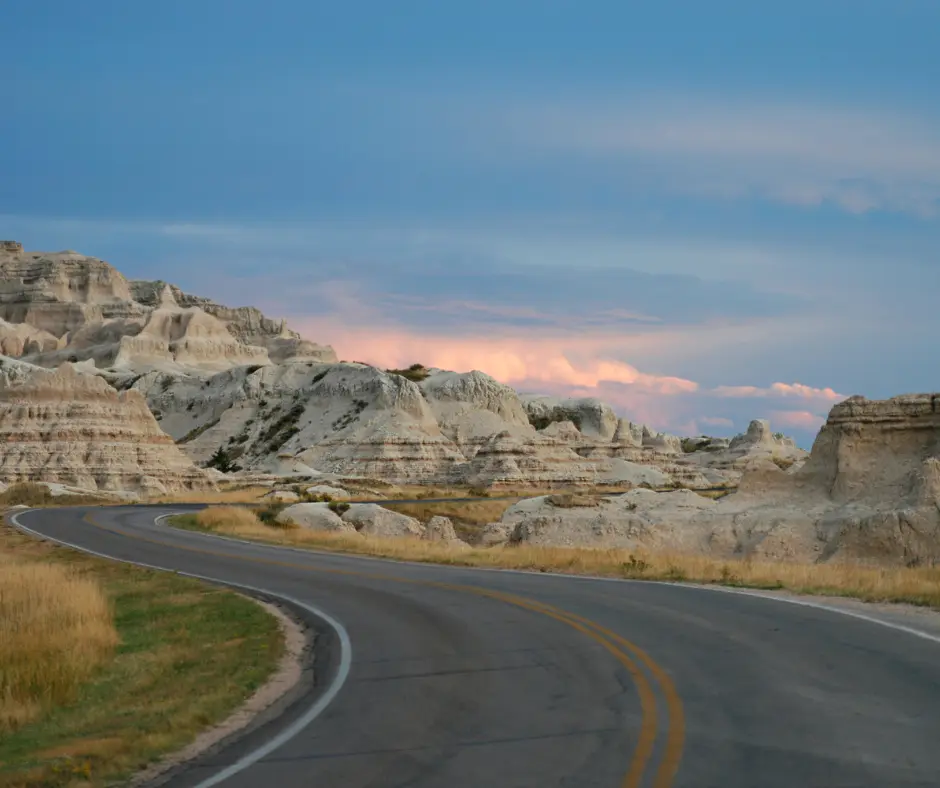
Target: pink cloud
511, 360
797, 419
578, 364
797, 390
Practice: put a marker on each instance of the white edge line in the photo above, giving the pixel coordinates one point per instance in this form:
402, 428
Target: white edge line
299, 724
756, 594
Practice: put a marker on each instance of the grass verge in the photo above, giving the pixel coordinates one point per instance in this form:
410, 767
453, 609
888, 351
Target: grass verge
918, 586
185, 656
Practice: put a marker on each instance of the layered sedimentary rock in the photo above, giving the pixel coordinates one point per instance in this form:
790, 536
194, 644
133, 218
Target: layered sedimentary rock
217, 377
870, 491
64, 306
72, 428
246, 324
759, 445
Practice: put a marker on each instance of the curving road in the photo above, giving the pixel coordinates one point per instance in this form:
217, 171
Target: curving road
462, 678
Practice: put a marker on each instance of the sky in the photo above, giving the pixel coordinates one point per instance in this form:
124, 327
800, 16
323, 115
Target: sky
702, 212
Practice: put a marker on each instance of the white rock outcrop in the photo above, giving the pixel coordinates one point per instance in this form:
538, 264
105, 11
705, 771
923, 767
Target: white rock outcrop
316, 516
869, 492
230, 380
370, 519
335, 493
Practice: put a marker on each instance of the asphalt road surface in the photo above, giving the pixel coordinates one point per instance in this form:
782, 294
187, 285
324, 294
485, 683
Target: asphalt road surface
440, 677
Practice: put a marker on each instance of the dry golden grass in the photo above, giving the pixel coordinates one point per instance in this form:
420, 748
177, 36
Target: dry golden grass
920, 586
34, 494
56, 629
189, 654
217, 517
235, 495
475, 513
571, 501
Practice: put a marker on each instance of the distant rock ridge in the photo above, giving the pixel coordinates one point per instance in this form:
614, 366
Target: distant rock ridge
869, 492
63, 306
231, 379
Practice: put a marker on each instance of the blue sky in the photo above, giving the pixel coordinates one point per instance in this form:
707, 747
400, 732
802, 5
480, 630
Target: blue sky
587, 197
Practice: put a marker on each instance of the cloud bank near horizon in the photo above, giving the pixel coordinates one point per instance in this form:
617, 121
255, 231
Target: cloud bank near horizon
529, 365
681, 352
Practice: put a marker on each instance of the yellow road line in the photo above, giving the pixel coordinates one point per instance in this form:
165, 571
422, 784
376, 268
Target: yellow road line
675, 728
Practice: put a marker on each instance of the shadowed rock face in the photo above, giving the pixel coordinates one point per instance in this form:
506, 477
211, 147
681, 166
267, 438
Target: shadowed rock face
71, 428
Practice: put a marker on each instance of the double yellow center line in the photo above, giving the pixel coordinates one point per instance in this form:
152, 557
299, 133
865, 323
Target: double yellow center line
627, 653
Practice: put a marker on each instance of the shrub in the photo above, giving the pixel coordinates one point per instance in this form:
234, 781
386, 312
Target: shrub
634, 566
783, 462
338, 507
570, 501
222, 461
269, 512
279, 432
197, 431
415, 373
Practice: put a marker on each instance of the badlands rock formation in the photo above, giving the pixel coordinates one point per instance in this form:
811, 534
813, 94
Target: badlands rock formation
218, 378
870, 491
72, 428
64, 306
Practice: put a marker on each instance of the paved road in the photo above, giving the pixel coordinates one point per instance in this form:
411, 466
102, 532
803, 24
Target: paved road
463, 678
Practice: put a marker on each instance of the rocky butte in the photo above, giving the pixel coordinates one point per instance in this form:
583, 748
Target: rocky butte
217, 377
115, 384
869, 492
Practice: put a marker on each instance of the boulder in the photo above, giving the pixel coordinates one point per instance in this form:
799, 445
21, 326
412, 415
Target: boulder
316, 516
335, 493
281, 496
441, 529
370, 519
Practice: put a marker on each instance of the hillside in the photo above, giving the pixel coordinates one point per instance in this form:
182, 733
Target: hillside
232, 383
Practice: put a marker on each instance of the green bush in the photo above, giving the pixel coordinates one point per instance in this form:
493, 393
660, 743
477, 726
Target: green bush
415, 373
222, 461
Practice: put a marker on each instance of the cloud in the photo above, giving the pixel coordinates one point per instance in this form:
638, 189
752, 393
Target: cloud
642, 341
513, 360
797, 419
800, 153
797, 390
574, 366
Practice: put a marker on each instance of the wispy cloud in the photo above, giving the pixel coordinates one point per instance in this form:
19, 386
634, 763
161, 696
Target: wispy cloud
785, 390
802, 420
799, 153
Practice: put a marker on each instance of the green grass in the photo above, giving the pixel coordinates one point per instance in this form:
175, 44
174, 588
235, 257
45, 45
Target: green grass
190, 654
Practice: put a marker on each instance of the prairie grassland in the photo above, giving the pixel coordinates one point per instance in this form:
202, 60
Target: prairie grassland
33, 494
234, 495
104, 667
56, 629
919, 586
